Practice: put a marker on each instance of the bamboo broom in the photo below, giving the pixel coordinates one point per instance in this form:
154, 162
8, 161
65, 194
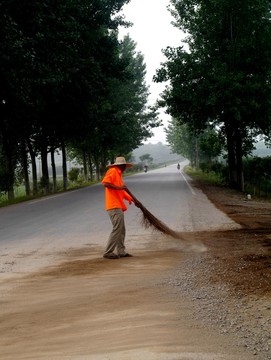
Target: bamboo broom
150, 221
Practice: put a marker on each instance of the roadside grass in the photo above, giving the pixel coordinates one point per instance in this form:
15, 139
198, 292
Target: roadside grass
210, 177
20, 195
260, 191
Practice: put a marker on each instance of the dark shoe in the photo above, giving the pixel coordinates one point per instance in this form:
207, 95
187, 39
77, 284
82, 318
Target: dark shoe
111, 256
125, 255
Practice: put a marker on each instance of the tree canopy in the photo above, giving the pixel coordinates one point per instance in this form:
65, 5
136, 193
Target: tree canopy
66, 80
221, 77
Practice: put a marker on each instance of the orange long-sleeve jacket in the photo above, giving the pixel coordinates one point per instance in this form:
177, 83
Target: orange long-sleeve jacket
114, 199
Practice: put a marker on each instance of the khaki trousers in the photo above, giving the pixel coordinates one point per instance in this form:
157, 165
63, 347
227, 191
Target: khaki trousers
117, 236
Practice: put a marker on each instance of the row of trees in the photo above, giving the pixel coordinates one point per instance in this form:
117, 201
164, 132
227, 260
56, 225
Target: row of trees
220, 80
207, 152
205, 147
66, 81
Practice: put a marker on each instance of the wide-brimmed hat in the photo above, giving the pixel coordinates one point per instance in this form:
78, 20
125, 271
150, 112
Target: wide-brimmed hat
120, 160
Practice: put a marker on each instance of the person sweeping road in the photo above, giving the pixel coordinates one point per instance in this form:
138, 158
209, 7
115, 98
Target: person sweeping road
115, 206
115, 194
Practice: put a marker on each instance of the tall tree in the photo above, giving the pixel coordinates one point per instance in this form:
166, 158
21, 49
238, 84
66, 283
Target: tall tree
14, 92
124, 118
131, 119
54, 60
203, 147
222, 76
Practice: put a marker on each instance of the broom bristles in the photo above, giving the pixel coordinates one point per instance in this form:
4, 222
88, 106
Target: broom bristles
150, 221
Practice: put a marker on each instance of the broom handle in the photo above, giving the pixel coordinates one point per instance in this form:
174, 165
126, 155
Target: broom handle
136, 201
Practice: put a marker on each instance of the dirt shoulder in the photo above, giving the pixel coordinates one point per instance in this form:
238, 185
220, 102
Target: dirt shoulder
231, 283
244, 255
167, 304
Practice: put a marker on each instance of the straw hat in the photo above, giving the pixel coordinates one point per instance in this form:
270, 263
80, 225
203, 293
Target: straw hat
120, 160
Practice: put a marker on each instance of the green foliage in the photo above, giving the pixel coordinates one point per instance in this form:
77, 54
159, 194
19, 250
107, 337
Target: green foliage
205, 146
73, 174
257, 172
5, 180
210, 177
43, 183
146, 158
210, 145
124, 117
66, 79
217, 170
257, 175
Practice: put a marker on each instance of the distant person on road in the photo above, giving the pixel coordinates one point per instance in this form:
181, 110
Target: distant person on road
178, 166
115, 195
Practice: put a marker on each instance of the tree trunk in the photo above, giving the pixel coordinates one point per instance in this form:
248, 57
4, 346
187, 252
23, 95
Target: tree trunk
239, 161
10, 168
90, 166
85, 166
7, 155
231, 156
45, 171
25, 168
34, 167
64, 166
97, 167
103, 164
235, 157
53, 164
232, 165
10, 172
11, 194
196, 154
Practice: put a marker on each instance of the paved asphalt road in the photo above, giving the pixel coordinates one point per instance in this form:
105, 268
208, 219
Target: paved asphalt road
77, 218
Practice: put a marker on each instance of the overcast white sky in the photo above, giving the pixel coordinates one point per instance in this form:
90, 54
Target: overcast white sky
152, 31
